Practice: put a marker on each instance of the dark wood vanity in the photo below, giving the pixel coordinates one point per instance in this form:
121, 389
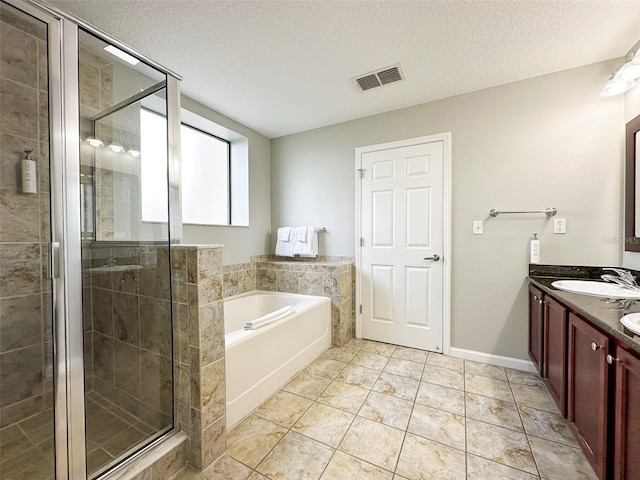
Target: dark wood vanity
591, 366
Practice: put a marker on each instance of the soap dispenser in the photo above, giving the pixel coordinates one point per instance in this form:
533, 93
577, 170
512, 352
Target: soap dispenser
535, 249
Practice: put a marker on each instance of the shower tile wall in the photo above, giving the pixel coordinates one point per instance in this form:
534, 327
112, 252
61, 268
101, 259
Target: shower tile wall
25, 293
26, 372
130, 331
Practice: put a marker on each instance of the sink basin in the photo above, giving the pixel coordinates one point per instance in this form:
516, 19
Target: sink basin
597, 289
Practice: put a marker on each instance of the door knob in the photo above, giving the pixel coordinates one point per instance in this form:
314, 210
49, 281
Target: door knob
435, 257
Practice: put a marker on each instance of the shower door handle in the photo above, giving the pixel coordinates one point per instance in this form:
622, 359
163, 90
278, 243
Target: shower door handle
53, 266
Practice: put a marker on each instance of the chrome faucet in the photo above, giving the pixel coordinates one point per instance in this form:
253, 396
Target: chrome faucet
624, 278
111, 261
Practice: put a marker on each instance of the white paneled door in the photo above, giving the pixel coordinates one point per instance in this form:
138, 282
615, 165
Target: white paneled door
402, 245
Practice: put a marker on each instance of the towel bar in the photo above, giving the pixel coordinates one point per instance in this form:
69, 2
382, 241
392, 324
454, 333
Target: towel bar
550, 212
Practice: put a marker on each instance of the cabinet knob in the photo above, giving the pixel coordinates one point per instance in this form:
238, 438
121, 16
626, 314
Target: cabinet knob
611, 359
540, 301
595, 346
535, 297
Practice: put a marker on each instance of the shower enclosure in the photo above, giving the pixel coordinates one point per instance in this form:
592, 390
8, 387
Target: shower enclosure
86, 330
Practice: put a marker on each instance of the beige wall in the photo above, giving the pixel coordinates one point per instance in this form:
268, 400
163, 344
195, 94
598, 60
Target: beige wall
240, 242
547, 141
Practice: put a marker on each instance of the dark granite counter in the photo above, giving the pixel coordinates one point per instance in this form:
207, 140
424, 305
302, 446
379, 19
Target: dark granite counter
604, 315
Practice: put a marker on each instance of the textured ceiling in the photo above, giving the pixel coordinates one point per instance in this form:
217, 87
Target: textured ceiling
285, 67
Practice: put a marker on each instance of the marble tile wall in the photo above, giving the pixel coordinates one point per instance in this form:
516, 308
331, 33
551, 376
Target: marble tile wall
200, 370
25, 292
128, 330
325, 276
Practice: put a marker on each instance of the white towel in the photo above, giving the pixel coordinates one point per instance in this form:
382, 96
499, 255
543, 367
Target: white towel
269, 318
285, 242
307, 242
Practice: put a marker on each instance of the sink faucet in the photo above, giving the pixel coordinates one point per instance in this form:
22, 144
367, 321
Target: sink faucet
111, 261
624, 278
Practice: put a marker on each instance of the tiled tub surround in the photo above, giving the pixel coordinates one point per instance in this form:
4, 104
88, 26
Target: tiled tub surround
323, 276
377, 411
26, 397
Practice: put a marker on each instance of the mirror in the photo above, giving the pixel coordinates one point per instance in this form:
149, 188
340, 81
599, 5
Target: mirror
632, 187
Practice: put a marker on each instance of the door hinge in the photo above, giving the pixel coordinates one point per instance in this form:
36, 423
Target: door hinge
361, 241
360, 172
360, 309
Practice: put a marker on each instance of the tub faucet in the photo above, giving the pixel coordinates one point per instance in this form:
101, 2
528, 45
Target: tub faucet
624, 278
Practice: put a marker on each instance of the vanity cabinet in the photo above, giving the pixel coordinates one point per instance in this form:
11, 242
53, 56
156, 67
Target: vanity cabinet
626, 463
555, 322
536, 327
588, 390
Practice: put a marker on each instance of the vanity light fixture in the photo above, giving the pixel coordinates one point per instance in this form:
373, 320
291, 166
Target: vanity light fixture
116, 148
134, 153
94, 142
122, 55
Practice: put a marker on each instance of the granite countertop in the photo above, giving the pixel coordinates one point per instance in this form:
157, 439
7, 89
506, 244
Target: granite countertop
604, 315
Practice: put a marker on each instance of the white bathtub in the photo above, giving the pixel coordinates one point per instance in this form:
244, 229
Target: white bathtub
259, 362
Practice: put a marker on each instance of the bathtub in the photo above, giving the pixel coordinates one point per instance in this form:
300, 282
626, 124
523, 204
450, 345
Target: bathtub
259, 362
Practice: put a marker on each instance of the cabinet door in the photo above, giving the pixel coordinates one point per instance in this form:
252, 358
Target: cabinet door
587, 393
536, 339
555, 351
626, 461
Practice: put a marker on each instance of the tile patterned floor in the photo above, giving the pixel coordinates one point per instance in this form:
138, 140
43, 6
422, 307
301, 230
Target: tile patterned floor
381, 412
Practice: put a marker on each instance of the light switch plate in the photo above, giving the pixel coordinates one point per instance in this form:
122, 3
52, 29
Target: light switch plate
559, 225
478, 227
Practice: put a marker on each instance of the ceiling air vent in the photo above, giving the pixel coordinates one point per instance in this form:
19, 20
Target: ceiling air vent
378, 78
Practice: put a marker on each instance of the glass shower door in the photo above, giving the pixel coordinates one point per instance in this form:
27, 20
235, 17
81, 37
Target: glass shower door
26, 318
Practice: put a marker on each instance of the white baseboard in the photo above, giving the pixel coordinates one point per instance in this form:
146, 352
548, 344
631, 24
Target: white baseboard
499, 360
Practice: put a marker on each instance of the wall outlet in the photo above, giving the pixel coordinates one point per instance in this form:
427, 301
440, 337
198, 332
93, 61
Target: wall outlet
478, 227
559, 225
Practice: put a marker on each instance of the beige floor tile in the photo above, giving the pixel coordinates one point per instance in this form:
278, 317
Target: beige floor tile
493, 411
444, 398
356, 343
346, 467
524, 378
296, 457
547, 425
370, 360
325, 367
425, 459
359, 376
445, 361
536, 397
340, 354
373, 442
488, 387
385, 349
386, 409
412, 354
485, 370
560, 462
344, 396
479, 468
438, 425
500, 445
257, 476
324, 424
283, 408
307, 385
252, 439
397, 386
405, 368
443, 376
224, 469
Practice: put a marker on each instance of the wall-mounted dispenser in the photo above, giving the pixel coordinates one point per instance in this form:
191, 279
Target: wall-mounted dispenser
29, 174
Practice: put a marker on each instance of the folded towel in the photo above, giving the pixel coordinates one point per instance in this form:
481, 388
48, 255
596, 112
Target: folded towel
284, 243
300, 234
269, 318
309, 246
284, 234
